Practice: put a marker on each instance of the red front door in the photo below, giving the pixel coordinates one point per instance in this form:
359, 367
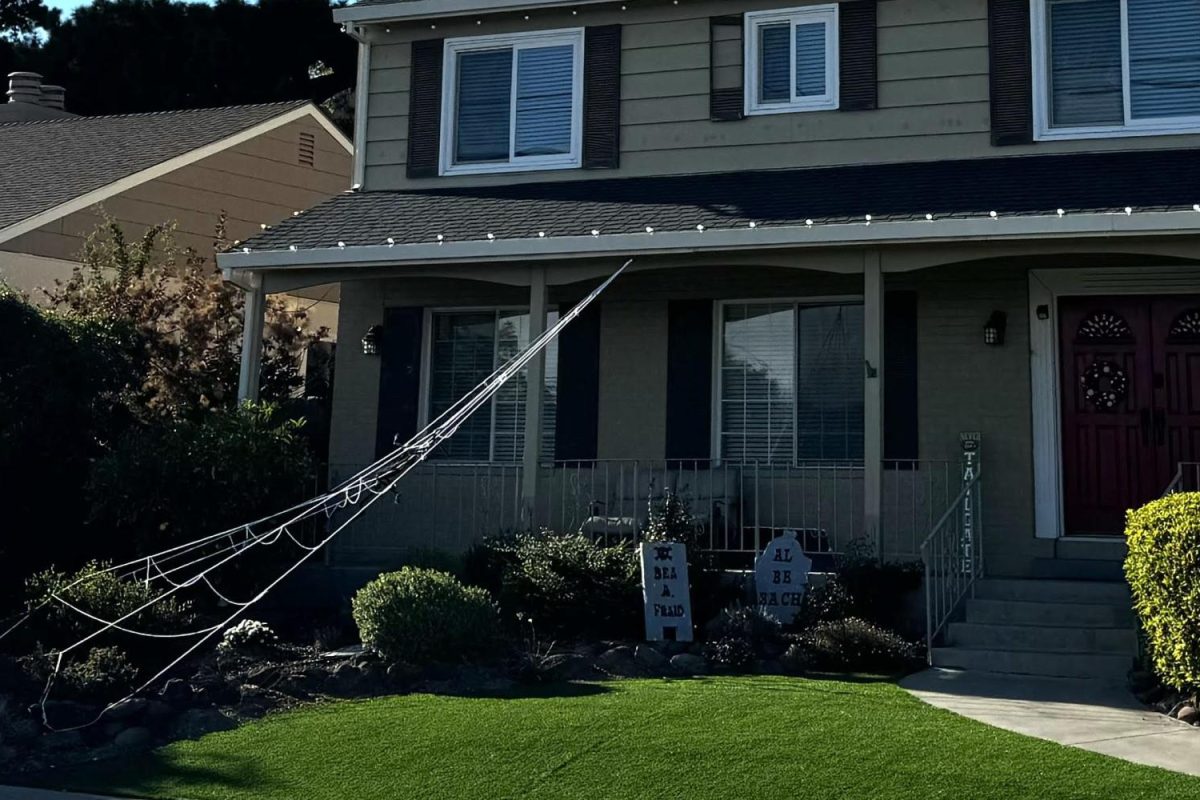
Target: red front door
1130, 403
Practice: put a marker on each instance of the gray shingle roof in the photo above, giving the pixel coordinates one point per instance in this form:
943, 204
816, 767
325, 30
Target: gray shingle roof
1014, 185
49, 162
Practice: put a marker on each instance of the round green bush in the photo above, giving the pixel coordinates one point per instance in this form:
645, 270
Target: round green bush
1163, 569
422, 616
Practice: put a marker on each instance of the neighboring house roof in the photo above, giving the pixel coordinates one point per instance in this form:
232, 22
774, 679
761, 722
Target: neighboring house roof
1088, 183
51, 168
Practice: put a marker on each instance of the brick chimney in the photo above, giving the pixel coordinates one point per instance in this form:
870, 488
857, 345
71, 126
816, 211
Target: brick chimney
25, 87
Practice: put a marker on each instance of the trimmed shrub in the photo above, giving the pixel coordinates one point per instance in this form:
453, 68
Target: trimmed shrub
825, 603
758, 629
422, 616
249, 636
729, 654
1163, 570
855, 645
571, 586
100, 593
103, 677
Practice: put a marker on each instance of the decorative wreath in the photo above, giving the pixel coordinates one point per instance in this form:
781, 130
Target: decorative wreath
1104, 384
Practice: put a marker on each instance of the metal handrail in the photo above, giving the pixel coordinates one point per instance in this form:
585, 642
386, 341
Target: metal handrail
952, 564
1184, 470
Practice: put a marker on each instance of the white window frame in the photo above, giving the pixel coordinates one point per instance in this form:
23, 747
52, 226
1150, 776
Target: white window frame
517, 42
718, 359
1042, 130
793, 16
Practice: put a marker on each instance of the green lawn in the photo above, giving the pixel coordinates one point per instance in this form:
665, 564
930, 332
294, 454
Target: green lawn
719, 738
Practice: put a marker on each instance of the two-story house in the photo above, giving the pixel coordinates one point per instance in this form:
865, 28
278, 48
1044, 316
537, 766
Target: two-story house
863, 233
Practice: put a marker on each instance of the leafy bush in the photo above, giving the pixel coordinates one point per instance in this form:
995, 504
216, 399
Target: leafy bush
103, 677
1163, 570
825, 603
570, 585
62, 384
671, 521
247, 637
796, 659
183, 479
729, 654
422, 616
758, 629
856, 645
102, 594
877, 589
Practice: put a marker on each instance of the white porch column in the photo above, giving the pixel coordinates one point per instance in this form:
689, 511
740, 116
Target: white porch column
252, 336
535, 377
873, 398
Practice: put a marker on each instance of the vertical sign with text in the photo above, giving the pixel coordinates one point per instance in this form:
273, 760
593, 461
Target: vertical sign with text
781, 576
665, 592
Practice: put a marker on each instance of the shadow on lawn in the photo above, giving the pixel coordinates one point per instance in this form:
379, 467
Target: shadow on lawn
142, 776
525, 691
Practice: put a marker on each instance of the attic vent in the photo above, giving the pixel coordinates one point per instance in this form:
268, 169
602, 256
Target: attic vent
308, 146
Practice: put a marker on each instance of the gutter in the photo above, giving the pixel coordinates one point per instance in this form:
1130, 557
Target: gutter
760, 237
436, 9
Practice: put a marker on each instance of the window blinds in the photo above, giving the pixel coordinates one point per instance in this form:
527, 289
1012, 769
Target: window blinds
484, 106
1085, 63
545, 80
1164, 58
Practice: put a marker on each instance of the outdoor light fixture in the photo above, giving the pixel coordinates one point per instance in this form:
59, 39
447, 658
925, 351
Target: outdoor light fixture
371, 340
993, 331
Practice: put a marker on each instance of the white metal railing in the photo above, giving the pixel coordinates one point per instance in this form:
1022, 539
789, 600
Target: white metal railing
1187, 478
953, 557
738, 507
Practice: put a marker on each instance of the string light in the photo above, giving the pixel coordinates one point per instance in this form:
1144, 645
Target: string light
541, 234
993, 214
292, 247
245, 249
700, 228
491, 237
753, 224
341, 245
929, 217
595, 232
649, 230
868, 218
440, 238
1061, 212
391, 242
1196, 207
1128, 211
808, 222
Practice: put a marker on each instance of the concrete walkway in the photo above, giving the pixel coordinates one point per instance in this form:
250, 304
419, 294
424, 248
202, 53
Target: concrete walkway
21, 793
1091, 715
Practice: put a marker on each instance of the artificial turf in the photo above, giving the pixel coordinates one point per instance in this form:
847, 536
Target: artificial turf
761, 737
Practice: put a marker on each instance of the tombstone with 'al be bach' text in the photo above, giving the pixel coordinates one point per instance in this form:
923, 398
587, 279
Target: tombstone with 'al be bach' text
781, 576
665, 592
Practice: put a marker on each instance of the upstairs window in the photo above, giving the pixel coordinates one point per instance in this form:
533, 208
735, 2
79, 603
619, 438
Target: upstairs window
512, 102
1116, 67
792, 60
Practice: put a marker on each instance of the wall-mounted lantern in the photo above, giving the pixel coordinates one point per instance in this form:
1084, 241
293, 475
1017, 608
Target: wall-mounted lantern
993, 331
372, 340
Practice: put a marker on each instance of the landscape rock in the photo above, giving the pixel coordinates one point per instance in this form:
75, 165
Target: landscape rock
22, 731
195, 722
67, 714
689, 664
347, 680
619, 661
158, 713
62, 740
255, 700
177, 692
649, 658
402, 674
134, 739
1188, 714
127, 709
7, 754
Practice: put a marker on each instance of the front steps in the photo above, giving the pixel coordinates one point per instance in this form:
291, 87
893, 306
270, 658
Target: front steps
1054, 628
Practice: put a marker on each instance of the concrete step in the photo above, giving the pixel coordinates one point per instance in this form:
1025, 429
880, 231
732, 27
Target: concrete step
1051, 591
1098, 548
1078, 569
990, 611
1037, 638
1059, 665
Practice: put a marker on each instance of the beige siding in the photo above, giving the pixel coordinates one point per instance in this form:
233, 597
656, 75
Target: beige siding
933, 96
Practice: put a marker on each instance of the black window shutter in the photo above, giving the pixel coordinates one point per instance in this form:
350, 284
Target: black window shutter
399, 378
857, 36
1011, 72
425, 109
900, 430
602, 97
578, 387
726, 72
689, 379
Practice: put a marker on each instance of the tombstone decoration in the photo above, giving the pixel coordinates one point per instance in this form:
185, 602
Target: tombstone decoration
781, 576
665, 592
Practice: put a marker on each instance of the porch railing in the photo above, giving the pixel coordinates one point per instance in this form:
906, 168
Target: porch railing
1187, 478
953, 556
738, 507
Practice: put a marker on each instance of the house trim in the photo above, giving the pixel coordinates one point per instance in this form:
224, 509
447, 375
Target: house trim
362, 96
1046, 286
751, 57
1047, 227
89, 199
434, 9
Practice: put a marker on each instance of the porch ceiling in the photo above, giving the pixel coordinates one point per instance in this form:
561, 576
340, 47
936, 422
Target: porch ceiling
1020, 186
